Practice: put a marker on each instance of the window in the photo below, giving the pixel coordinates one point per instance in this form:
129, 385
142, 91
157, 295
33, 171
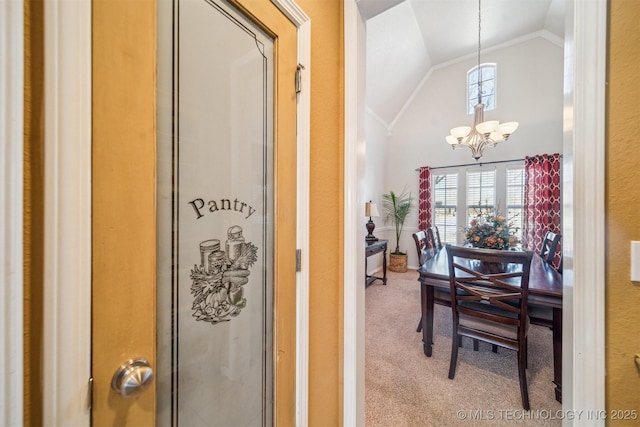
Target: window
459, 194
481, 193
483, 76
445, 200
515, 198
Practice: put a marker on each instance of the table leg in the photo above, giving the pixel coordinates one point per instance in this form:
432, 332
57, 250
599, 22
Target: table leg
557, 352
427, 296
384, 266
366, 273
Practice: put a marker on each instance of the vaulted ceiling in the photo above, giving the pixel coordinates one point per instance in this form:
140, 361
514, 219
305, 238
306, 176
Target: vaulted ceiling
408, 38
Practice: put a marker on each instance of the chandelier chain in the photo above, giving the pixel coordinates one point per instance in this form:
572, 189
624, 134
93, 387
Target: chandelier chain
482, 134
479, 71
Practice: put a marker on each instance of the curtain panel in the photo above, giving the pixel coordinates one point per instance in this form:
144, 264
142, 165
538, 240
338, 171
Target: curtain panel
542, 190
424, 199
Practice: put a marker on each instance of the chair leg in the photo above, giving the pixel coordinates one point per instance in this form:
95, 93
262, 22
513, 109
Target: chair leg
475, 344
522, 374
459, 340
454, 355
419, 326
494, 348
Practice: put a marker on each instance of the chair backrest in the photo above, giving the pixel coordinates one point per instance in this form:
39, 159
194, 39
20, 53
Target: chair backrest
549, 246
487, 295
422, 246
434, 238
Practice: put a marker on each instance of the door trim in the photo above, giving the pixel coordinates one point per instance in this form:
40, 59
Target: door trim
354, 177
67, 263
584, 141
11, 215
583, 340
297, 16
68, 201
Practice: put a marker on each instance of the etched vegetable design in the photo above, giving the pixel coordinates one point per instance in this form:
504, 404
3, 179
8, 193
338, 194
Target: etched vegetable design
218, 282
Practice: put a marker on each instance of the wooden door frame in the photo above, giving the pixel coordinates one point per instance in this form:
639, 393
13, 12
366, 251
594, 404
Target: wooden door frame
583, 209
68, 203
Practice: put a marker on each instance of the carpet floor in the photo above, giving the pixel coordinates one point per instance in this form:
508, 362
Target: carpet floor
403, 387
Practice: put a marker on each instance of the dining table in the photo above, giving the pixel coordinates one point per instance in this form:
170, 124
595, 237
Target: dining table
545, 291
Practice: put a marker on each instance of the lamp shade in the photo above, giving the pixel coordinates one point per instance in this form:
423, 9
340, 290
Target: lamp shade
460, 131
508, 128
487, 127
370, 209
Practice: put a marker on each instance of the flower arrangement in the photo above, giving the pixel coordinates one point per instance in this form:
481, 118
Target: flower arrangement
491, 231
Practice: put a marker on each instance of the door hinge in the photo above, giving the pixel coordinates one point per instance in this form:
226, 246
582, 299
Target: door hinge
299, 78
298, 260
90, 394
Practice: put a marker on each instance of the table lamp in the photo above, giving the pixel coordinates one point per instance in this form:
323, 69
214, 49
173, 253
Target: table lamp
370, 209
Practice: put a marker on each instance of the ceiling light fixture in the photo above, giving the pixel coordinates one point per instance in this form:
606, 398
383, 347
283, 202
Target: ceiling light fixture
482, 134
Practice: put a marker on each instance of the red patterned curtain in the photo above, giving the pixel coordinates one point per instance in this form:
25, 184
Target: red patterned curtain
424, 199
541, 200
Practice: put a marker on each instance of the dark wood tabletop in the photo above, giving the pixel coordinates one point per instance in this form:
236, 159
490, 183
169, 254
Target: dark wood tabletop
545, 283
545, 290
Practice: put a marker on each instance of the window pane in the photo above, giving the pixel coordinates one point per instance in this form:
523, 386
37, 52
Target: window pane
480, 193
488, 72
515, 198
486, 77
445, 196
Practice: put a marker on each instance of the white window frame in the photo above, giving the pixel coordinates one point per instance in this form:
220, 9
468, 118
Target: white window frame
470, 107
507, 205
434, 206
496, 199
462, 208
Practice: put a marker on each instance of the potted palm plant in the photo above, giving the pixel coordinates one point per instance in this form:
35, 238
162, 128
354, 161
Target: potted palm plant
396, 208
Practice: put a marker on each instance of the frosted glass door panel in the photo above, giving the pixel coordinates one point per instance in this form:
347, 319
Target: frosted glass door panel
215, 208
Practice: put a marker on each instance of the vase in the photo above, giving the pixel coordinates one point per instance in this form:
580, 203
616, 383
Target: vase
493, 267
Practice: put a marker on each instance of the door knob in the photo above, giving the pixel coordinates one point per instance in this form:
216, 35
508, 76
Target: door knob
133, 377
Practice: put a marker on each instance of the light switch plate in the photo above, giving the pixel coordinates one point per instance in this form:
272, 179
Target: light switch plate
635, 261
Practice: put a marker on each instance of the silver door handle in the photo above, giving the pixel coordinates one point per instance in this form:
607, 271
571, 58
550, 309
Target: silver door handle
133, 377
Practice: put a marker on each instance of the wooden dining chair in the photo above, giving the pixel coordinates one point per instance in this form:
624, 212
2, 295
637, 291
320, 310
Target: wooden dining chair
434, 238
425, 252
441, 296
549, 246
490, 306
423, 248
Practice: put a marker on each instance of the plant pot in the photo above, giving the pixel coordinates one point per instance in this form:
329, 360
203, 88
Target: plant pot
398, 263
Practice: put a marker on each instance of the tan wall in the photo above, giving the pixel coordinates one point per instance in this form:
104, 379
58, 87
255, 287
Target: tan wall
326, 218
622, 206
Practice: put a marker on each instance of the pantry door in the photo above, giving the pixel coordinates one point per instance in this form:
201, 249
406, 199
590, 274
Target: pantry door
194, 207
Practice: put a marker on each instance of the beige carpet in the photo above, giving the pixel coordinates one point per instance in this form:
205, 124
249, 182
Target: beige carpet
406, 388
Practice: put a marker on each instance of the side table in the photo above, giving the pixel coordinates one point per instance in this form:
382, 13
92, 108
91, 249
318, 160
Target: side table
373, 248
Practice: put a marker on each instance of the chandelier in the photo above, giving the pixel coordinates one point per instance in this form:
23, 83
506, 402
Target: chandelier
482, 134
